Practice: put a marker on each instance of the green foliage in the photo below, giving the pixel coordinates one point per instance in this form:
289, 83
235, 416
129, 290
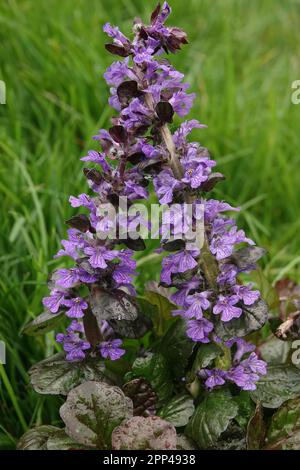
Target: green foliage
178, 410
211, 418
281, 383
43, 323
284, 429
92, 411
155, 369
176, 348
56, 376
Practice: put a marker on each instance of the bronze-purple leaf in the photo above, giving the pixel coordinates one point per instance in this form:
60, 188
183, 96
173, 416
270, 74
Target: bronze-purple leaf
93, 175
119, 134
80, 222
211, 182
117, 50
164, 111
155, 13
126, 91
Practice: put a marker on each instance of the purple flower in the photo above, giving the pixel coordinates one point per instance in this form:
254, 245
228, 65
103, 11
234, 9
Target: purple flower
246, 294
67, 277
76, 307
222, 246
164, 14
55, 300
73, 346
75, 326
95, 157
255, 365
182, 102
242, 378
115, 33
179, 262
197, 303
213, 208
81, 200
116, 73
86, 277
186, 260
228, 273
111, 349
195, 175
225, 307
186, 128
213, 377
242, 348
164, 185
98, 255
123, 274
185, 288
150, 151
134, 191
198, 330
136, 115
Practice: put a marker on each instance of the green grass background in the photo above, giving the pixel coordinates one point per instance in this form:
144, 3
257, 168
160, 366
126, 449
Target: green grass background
241, 61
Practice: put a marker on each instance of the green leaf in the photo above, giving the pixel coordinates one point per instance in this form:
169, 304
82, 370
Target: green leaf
56, 376
284, 429
154, 295
61, 441
154, 368
274, 351
205, 355
178, 411
256, 429
36, 438
281, 383
252, 319
177, 348
211, 418
43, 323
246, 408
138, 433
92, 411
232, 439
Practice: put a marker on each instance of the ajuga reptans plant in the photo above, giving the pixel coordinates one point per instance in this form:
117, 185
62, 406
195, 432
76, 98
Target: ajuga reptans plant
158, 364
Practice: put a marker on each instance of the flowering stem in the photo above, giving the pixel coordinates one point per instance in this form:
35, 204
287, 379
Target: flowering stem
207, 260
174, 160
209, 265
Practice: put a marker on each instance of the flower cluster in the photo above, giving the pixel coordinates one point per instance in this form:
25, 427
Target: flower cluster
244, 373
147, 91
